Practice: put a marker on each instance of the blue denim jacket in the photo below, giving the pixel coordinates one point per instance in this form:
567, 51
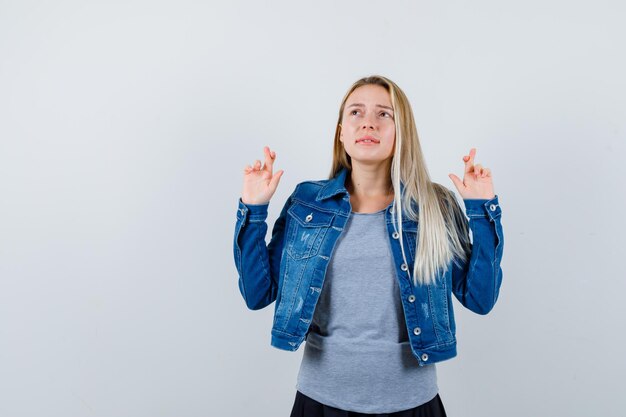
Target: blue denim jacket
291, 268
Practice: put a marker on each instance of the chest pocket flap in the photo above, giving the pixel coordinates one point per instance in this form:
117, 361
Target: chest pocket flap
307, 228
310, 217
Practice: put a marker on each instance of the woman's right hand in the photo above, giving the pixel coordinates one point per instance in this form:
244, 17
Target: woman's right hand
259, 183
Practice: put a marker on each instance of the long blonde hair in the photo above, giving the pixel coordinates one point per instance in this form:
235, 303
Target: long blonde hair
443, 234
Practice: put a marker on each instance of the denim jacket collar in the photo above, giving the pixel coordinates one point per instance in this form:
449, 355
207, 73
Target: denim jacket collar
334, 186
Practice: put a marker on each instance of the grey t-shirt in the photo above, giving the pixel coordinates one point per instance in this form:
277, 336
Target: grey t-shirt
357, 355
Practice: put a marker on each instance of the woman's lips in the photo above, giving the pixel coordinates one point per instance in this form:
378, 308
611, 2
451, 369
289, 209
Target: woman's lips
367, 140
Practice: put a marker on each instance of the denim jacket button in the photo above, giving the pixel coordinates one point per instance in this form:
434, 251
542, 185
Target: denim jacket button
492, 207
308, 218
417, 331
424, 357
411, 298
395, 235
404, 267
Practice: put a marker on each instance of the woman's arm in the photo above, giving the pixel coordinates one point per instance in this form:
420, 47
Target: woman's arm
476, 282
258, 265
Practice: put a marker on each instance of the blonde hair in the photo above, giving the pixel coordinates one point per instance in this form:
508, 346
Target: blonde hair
443, 235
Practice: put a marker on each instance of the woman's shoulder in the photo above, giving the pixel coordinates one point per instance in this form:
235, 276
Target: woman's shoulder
317, 184
442, 190
308, 187
446, 196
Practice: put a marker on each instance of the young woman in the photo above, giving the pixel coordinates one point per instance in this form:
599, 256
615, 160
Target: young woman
363, 265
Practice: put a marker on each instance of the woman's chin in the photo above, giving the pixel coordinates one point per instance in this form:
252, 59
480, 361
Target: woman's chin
365, 160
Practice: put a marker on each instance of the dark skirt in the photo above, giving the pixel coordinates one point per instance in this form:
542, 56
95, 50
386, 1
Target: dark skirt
304, 406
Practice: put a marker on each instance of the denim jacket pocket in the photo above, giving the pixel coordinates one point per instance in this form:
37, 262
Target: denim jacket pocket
307, 227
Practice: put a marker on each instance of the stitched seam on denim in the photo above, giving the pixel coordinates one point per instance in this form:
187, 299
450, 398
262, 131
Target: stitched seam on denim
446, 311
433, 317
321, 238
296, 290
262, 248
447, 322
495, 278
436, 347
282, 304
257, 216
290, 231
282, 332
493, 215
315, 227
305, 203
496, 262
260, 251
238, 260
285, 335
412, 242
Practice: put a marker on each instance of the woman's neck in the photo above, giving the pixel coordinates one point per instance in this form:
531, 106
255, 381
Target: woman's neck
370, 188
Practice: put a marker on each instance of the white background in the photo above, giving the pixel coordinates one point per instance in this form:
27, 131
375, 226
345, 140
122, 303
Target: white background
124, 130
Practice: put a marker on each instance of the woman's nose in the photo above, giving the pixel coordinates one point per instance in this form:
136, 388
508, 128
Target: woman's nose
369, 122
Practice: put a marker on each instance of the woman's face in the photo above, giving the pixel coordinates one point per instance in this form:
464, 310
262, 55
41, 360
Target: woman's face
368, 115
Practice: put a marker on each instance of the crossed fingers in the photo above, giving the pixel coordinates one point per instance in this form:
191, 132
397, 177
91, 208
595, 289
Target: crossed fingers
477, 170
270, 156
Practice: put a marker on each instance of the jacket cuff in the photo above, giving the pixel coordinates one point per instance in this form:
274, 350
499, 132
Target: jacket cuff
483, 208
253, 212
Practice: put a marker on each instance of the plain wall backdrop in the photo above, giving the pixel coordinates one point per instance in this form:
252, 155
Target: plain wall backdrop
124, 131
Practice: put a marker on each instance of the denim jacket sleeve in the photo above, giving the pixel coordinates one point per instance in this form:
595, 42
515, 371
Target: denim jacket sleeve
258, 265
476, 282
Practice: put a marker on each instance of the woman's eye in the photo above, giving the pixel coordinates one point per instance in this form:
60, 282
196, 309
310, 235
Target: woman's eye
386, 114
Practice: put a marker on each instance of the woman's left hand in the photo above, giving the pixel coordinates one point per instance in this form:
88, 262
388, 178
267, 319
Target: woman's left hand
477, 181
